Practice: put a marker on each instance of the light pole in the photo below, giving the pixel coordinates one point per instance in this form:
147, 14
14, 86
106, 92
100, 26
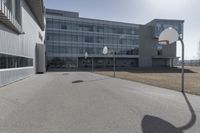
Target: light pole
114, 62
77, 64
86, 56
92, 64
170, 36
105, 51
183, 64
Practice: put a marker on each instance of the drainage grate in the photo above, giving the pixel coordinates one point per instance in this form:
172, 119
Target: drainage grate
77, 81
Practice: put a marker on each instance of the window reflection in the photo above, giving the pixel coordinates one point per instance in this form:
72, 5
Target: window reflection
14, 7
71, 38
9, 61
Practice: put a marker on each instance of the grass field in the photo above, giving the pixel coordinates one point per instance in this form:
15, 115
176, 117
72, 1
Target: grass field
169, 78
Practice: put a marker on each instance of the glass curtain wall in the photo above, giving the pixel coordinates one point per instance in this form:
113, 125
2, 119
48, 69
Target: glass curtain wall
62, 36
73, 37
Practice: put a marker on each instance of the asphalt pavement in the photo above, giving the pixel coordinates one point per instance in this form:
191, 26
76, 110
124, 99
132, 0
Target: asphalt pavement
83, 102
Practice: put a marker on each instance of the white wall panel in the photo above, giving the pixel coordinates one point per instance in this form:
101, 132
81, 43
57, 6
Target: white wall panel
23, 45
11, 75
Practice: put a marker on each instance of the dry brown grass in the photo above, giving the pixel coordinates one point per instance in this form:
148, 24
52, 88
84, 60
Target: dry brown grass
169, 78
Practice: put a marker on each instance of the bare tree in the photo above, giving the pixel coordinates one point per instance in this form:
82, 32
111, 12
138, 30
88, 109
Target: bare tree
199, 53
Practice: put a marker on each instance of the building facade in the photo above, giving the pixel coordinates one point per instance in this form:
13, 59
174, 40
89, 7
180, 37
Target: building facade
69, 37
22, 31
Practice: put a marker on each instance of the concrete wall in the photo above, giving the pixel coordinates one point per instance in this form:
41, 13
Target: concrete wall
147, 47
169, 50
40, 58
20, 45
160, 62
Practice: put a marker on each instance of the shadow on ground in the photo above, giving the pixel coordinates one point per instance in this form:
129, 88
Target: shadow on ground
152, 124
93, 80
96, 79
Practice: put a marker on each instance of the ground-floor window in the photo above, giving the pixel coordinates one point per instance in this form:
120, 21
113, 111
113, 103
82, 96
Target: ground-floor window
10, 61
61, 62
160, 62
96, 62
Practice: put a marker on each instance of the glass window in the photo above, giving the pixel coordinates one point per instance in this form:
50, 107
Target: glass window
100, 29
14, 7
89, 39
10, 61
3, 61
86, 38
63, 26
159, 50
161, 25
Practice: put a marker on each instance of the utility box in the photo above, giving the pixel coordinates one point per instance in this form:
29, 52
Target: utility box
40, 58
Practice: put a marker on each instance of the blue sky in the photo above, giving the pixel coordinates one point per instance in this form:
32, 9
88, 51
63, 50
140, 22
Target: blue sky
141, 12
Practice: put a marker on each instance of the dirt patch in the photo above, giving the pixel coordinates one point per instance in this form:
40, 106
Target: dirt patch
169, 78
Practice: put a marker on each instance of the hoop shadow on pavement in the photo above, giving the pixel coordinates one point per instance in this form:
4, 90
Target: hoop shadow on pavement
152, 124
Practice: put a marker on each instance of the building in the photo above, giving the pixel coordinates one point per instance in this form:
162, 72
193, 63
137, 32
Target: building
22, 35
69, 37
